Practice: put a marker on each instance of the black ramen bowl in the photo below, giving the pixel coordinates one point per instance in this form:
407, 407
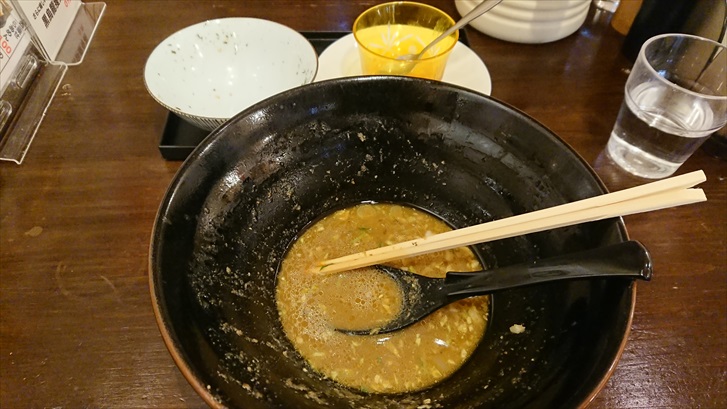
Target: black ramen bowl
256, 182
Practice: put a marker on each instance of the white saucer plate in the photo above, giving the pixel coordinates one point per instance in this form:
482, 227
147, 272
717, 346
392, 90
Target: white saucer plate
464, 67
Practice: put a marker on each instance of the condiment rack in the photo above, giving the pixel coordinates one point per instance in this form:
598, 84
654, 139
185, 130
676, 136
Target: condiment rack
33, 62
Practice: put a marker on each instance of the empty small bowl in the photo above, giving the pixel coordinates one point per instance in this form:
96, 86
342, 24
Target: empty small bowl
208, 72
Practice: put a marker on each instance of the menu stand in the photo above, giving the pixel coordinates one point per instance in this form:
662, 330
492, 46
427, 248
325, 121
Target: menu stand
35, 80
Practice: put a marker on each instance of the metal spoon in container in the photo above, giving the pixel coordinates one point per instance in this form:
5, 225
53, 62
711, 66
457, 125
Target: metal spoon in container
479, 10
423, 295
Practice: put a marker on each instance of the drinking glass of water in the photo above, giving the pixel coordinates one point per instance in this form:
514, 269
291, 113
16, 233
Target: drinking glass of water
675, 98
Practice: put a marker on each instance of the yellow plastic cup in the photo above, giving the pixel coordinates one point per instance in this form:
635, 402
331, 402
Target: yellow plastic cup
390, 30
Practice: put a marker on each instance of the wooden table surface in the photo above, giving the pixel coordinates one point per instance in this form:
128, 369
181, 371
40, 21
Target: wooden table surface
76, 323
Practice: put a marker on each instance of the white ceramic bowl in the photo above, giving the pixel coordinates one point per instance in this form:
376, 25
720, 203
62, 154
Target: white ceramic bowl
529, 21
208, 72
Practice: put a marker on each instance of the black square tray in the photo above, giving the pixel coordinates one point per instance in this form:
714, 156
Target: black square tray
181, 137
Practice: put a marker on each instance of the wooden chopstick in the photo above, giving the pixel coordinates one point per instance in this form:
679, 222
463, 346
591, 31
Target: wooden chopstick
674, 183
652, 196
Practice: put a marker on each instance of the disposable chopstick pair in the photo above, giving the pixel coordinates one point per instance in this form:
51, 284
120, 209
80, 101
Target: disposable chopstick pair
662, 194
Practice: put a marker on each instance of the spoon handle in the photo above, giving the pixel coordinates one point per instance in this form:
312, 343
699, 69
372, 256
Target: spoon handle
473, 14
628, 259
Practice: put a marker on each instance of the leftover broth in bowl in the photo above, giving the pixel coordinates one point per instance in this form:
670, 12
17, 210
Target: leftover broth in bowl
263, 179
313, 306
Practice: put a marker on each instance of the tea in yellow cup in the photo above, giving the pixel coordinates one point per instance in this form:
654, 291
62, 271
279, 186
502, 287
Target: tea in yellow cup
391, 30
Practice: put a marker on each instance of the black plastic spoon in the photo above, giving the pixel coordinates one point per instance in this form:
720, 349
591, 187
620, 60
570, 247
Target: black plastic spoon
423, 295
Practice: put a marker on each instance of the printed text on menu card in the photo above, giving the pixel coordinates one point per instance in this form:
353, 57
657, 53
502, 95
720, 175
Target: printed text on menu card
14, 40
50, 20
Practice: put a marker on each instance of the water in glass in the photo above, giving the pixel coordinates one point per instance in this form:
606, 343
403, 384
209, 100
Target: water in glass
654, 143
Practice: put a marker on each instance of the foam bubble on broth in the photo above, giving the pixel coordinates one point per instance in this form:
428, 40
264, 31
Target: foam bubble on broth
359, 299
407, 360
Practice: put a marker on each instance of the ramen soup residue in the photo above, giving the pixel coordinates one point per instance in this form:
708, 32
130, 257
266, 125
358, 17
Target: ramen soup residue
312, 305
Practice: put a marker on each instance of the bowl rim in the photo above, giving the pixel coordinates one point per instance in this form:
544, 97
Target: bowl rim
532, 6
162, 317
203, 23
